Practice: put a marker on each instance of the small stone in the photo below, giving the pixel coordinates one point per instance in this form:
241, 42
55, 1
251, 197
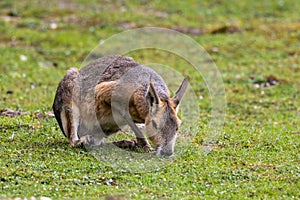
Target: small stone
45, 198
23, 57
53, 25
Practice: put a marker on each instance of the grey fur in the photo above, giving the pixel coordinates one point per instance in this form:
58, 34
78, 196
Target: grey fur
113, 91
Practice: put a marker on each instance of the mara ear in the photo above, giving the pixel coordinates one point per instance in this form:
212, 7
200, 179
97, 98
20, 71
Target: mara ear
152, 97
180, 92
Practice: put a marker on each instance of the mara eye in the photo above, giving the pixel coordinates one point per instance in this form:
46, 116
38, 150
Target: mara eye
176, 129
154, 124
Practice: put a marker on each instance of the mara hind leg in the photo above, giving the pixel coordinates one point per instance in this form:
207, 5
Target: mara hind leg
71, 125
66, 113
70, 122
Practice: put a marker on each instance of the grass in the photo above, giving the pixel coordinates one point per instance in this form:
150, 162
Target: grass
257, 153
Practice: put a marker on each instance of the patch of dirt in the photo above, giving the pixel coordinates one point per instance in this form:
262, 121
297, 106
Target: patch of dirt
127, 25
186, 30
193, 31
189, 30
11, 113
6, 112
226, 29
43, 116
268, 81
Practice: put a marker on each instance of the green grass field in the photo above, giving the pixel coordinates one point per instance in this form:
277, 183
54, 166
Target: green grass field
254, 44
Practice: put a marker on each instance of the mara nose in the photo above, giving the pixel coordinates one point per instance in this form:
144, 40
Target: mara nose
164, 152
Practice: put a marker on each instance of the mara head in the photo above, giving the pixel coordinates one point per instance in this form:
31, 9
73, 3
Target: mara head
162, 122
